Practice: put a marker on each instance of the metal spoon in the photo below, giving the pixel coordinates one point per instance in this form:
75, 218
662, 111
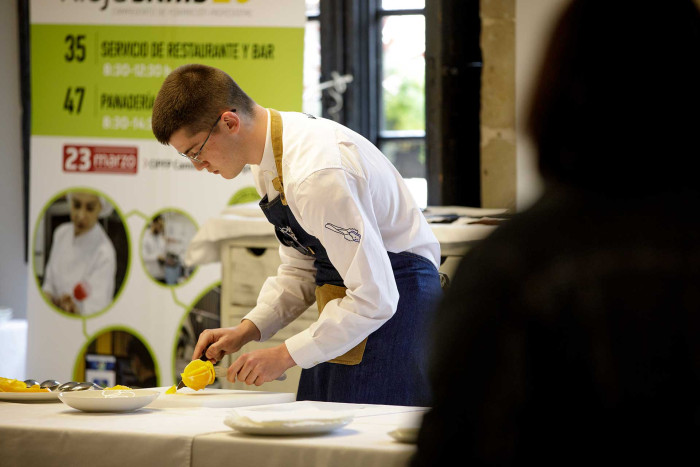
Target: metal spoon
30, 382
85, 385
66, 386
51, 384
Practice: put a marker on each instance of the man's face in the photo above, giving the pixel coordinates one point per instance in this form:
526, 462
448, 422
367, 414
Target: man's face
220, 155
157, 226
84, 210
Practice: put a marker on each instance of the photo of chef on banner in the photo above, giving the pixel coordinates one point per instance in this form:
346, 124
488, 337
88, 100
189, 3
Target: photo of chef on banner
163, 246
81, 252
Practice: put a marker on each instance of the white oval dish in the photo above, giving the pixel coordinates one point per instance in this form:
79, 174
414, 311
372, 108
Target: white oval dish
109, 400
295, 418
28, 396
288, 428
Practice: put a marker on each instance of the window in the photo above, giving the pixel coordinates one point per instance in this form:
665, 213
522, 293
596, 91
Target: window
401, 132
312, 60
365, 67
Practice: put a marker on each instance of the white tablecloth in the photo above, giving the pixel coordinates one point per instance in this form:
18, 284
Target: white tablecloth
248, 220
51, 433
364, 442
13, 349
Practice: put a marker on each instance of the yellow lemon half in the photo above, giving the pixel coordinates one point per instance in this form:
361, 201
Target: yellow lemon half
198, 374
118, 387
14, 385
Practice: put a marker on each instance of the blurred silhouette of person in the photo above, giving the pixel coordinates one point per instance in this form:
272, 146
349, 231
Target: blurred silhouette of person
571, 335
154, 249
141, 364
80, 273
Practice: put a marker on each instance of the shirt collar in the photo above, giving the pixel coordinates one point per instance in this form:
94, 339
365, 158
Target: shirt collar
267, 163
88, 236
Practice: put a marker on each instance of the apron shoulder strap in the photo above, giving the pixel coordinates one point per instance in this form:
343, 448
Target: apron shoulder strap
277, 150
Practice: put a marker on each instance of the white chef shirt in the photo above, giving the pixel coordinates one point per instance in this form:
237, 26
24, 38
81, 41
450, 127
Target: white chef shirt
334, 178
152, 248
88, 258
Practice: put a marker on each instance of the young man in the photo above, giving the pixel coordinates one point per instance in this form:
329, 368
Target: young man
352, 238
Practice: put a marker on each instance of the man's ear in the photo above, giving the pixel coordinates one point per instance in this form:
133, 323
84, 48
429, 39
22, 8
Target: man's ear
232, 121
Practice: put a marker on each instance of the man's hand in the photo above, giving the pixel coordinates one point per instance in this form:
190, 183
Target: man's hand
66, 303
225, 340
260, 366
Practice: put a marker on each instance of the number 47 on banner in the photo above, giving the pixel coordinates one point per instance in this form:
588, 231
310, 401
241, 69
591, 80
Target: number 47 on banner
73, 103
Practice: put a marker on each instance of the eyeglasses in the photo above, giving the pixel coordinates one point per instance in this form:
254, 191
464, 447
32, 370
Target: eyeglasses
195, 156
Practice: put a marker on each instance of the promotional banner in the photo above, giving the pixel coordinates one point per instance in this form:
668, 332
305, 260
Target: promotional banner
111, 210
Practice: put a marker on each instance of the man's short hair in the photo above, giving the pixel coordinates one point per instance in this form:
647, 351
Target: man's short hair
191, 97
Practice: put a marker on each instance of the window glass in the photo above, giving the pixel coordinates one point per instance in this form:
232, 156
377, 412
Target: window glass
407, 155
312, 7
403, 73
312, 68
401, 4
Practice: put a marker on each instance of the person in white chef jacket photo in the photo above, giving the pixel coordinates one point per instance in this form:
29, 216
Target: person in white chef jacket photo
80, 273
352, 238
154, 249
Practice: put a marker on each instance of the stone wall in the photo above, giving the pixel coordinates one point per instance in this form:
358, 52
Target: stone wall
498, 142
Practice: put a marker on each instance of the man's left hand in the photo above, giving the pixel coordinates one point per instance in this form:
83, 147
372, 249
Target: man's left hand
260, 366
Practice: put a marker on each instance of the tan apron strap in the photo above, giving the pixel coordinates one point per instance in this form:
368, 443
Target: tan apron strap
325, 294
277, 150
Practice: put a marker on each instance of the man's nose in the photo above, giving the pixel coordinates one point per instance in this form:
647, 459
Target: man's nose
199, 165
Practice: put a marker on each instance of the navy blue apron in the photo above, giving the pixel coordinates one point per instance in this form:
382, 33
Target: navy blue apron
393, 366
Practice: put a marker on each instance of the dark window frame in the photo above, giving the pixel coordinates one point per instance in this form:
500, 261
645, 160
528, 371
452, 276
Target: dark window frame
25, 92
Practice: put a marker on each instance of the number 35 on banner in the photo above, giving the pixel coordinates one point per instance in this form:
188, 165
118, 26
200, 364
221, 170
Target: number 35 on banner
100, 159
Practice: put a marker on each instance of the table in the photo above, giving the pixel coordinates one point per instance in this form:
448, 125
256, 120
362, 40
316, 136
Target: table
364, 442
247, 223
51, 433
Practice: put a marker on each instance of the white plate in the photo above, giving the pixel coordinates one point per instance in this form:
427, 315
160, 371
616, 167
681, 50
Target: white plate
109, 400
286, 419
29, 396
287, 428
405, 435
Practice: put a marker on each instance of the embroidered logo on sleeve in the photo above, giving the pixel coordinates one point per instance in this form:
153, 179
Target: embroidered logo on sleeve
351, 235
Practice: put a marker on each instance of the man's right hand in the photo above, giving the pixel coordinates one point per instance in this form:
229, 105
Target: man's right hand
225, 340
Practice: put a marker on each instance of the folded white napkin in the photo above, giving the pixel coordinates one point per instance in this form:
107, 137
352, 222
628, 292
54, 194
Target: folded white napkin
293, 413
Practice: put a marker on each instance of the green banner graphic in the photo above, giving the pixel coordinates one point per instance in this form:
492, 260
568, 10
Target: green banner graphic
101, 81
